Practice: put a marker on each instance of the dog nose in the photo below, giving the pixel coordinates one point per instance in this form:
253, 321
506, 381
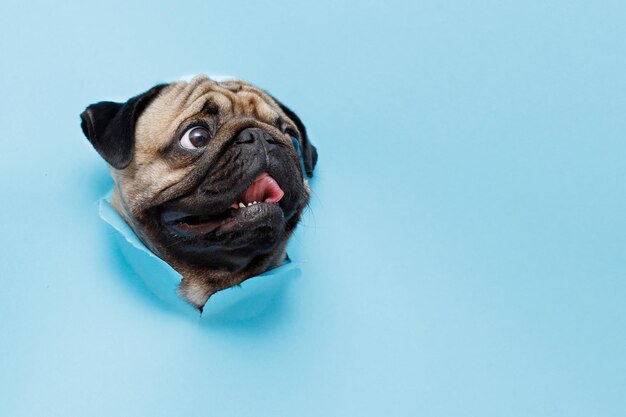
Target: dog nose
253, 134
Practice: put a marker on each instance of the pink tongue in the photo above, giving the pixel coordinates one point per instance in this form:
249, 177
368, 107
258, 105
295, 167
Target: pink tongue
263, 189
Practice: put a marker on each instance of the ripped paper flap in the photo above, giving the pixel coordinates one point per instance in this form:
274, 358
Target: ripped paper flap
242, 302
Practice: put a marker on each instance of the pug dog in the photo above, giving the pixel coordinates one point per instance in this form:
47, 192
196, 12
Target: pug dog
211, 176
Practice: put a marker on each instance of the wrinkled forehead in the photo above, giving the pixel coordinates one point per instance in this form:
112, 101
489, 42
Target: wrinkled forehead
182, 100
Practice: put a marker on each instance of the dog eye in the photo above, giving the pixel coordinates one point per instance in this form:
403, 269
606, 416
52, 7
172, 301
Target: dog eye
291, 131
196, 137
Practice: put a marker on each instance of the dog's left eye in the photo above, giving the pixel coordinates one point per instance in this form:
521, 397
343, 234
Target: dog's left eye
196, 137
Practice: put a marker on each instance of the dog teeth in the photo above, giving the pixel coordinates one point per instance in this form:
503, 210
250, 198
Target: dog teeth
243, 205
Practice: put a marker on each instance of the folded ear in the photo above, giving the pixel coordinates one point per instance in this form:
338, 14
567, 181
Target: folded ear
110, 126
309, 152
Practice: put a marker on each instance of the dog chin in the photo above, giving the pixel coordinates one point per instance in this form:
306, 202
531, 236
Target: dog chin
251, 227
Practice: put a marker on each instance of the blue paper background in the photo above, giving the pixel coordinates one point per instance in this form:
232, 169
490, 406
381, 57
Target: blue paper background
464, 251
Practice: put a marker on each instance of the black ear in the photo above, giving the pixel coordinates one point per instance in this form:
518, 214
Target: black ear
309, 153
110, 126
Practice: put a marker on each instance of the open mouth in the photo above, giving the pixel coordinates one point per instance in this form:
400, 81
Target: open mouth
261, 197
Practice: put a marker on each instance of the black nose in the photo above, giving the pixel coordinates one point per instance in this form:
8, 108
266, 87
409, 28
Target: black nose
253, 134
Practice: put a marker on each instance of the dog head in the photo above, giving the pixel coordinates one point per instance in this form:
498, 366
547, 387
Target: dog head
210, 176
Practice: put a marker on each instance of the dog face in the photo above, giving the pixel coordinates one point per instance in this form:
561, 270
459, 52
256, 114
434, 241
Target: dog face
208, 175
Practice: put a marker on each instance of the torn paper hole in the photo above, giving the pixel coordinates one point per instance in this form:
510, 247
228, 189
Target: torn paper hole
248, 300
